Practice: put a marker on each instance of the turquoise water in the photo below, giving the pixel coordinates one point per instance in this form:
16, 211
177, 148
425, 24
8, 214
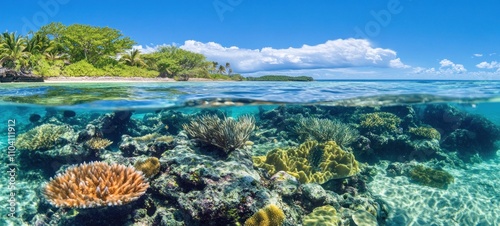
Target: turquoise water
223, 175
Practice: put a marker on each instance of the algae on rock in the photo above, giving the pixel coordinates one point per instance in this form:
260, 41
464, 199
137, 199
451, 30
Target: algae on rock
310, 162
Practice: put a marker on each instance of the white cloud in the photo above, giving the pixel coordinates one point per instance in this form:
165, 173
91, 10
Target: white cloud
148, 49
340, 53
477, 54
447, 66
490, 65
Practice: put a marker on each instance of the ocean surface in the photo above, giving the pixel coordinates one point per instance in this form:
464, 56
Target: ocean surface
235, 153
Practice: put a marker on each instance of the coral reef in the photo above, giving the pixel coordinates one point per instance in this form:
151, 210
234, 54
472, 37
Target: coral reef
380, 122
462, 132
322, 216
95, 184
227, 134
311, 162
431, 177
425, 133
271, 215
42, 137
149, 166
323, 130
97, 143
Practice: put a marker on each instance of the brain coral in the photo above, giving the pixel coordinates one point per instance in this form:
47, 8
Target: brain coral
95, 184
310, 162
270, 215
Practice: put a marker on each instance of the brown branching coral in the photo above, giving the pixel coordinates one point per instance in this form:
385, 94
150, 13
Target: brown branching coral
228, 133
97, 143
95, 184
150, 166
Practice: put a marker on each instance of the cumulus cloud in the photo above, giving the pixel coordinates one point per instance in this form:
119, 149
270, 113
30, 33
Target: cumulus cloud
447, 66
490, 65
147, 48
340, 53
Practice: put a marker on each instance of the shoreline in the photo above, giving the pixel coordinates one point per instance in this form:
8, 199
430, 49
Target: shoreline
106, 79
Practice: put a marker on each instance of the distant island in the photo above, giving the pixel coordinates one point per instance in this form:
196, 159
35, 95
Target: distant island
78, 50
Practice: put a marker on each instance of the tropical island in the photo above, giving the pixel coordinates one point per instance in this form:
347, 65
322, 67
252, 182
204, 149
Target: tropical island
78, 50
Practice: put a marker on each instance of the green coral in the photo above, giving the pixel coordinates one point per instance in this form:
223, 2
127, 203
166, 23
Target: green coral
425, 132
270, 215
324, 130
42, 137
431, 177
380, 122
310, 162
322, 216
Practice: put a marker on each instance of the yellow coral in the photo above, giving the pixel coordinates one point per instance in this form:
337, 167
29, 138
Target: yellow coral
97, 143
322, 216
425, 132
41, 137
380, 122
150, 166
271, 215
311, 162
95, 184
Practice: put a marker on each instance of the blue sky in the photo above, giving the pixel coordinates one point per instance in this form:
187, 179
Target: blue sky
327, 39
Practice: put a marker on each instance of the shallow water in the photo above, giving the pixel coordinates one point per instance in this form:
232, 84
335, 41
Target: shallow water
391, 127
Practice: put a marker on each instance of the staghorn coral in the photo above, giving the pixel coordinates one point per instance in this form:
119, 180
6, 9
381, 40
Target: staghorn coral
380, 122
271, 215
95, 184
42, 137
324, 130
227, 134
431, 177
311, 162
322, 216
425, 132
97, 143
150, 166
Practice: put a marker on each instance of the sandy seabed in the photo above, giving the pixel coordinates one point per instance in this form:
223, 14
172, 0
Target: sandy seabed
473, 199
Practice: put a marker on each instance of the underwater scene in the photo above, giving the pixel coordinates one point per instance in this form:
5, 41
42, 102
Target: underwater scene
251, 153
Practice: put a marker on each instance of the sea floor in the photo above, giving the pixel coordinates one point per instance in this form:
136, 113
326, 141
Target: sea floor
473, 199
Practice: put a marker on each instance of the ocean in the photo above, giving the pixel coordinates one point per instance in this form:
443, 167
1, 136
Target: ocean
328, 152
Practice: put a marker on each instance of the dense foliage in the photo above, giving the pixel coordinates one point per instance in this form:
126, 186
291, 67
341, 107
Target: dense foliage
84, 50
281, 78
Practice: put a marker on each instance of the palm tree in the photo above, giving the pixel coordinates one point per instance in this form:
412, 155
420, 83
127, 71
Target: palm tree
12, 54
228, 68
222, 69
215, 65
133, 58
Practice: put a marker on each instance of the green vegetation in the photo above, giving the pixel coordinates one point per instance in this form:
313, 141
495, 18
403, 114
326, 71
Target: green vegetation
84, 50
431, 177
281, 78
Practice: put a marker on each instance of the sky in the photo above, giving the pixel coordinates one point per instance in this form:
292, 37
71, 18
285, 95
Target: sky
349, 39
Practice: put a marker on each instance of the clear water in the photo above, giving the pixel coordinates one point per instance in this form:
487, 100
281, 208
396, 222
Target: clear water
465, 113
